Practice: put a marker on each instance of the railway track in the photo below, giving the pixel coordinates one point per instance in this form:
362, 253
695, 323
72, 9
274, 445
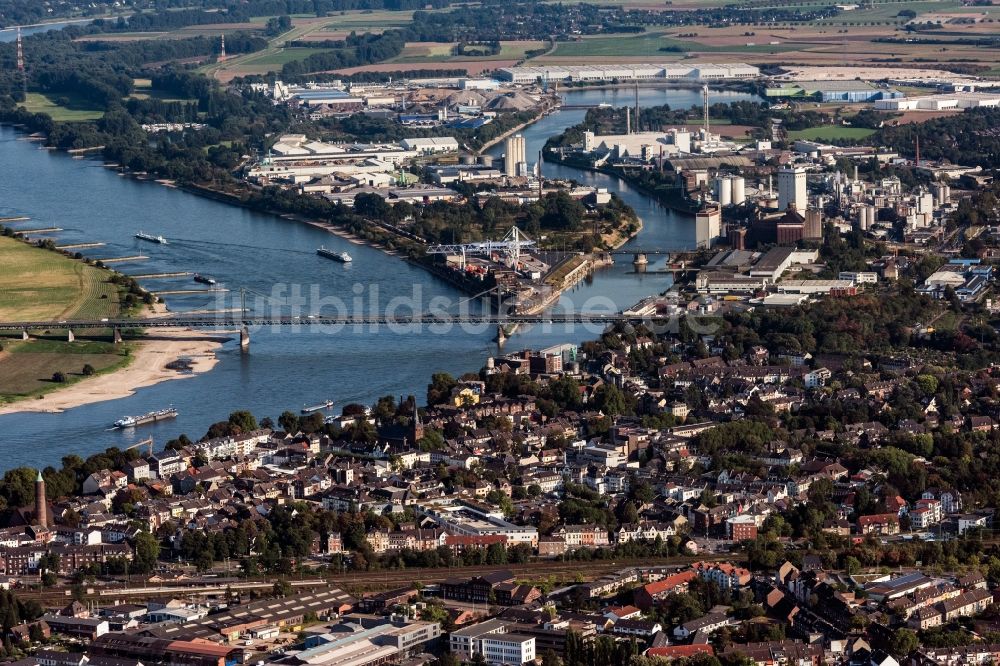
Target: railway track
361, 582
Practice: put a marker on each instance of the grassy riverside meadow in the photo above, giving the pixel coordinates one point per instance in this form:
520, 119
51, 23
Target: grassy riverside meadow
39, 284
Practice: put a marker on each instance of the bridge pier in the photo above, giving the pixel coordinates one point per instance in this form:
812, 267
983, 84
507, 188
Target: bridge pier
69, 335
244, 339
24, 334
501, 335
640, 262
117, 336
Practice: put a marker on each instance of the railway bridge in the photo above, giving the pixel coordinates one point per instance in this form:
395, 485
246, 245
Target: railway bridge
244, 323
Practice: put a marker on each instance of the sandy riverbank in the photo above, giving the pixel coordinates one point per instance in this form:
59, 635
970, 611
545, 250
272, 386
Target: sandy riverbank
147, 367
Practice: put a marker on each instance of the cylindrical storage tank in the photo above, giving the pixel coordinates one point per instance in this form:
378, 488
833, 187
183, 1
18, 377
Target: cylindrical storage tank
866, 217
723, 191
739, 190
486, 160
942, 193
465, 158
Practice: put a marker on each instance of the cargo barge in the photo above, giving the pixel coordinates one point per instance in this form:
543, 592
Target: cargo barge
142, 235
148, 417
317, 408
342, 257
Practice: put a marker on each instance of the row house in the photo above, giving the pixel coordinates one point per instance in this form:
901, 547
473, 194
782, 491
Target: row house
24, 560
583, 536
965, 604
478, 589
962, 655
228, 447
611, 583
778, 653
649, 594
644, 531
547, 481
727, 576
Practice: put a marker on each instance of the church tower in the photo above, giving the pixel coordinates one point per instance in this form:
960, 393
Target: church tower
41, 507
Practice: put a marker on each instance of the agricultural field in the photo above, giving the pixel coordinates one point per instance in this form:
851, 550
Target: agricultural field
62, 107
37, 284
364, 21
828, 132
304, 28
425, 52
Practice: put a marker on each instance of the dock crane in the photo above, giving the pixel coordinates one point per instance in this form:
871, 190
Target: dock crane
511, 246
146, 442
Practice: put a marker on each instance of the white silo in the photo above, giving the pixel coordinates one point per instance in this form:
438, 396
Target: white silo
942, 194
739, 188
723, 191
866, 217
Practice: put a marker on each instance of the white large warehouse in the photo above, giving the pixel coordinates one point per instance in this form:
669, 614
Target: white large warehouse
637, 72
958, 100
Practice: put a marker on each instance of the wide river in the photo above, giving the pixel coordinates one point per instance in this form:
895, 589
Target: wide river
285, 369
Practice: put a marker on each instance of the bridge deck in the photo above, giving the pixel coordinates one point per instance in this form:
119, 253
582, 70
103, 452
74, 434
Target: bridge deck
230, 321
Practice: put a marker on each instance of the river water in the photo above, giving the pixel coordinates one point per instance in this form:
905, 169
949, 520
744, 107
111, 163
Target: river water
272, 257
10, 34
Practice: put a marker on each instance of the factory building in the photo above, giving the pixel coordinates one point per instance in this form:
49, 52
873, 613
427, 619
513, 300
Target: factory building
834, 91
638, 72
959, 100
641, 145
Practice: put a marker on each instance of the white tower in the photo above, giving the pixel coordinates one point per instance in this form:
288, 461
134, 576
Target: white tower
792, 189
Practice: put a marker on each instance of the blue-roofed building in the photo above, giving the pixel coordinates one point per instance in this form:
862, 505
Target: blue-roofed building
469, 123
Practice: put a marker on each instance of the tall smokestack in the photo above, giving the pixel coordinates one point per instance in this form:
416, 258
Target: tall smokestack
637, 127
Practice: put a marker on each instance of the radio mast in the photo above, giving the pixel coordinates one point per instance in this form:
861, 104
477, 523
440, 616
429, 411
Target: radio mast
20, 64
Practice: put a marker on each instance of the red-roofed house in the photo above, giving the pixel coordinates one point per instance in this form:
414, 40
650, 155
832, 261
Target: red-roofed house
647, 595
882, 523
680, 651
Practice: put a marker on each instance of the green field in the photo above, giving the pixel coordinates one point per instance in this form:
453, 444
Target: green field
71, 110
646, 45
364, 21
37, 284
281, 57
415, 52
828, 132
143, 89
888, 11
